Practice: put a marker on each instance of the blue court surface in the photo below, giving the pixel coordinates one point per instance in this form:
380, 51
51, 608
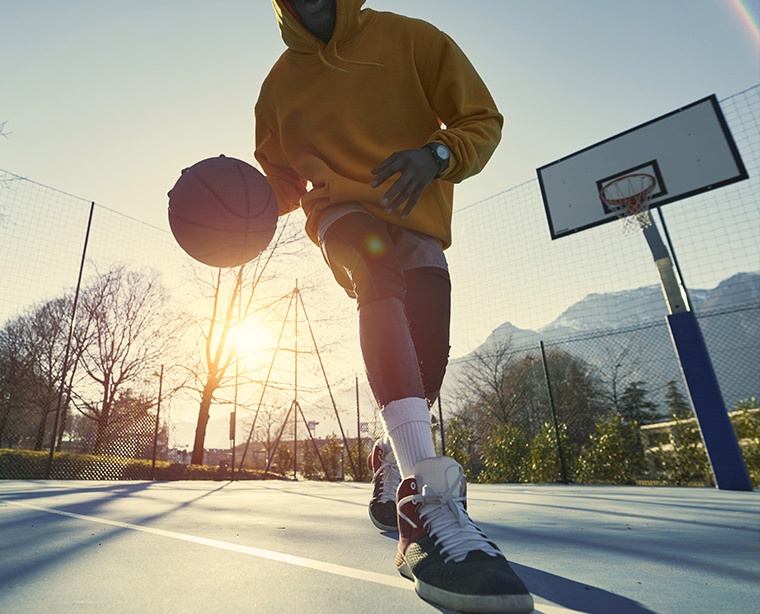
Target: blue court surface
278, 546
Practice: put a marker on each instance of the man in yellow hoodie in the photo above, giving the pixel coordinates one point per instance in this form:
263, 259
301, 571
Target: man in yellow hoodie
365, 123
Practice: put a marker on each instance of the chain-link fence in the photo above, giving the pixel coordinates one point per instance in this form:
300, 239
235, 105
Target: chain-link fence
115, 364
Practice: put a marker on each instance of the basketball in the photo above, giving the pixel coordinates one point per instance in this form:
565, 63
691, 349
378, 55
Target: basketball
222, 212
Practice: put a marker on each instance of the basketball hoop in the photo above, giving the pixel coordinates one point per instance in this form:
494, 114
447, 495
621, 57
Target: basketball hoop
629, 197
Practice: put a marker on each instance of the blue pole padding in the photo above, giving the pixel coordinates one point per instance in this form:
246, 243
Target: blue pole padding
718, 433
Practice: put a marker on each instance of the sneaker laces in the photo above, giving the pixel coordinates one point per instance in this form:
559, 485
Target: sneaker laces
389, 476
447, 521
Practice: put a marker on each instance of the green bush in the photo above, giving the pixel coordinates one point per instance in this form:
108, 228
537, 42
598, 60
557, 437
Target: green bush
22, 464
613, 454
682, 460
31, 465
504, 455
747, 428
543, 463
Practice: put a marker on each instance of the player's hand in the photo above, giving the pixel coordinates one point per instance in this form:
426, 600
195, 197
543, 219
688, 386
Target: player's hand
416, 169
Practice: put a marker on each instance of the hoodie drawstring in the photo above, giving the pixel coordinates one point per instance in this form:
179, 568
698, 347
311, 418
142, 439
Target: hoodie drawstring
324, 61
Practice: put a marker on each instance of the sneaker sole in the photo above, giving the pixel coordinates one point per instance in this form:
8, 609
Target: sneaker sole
488, 604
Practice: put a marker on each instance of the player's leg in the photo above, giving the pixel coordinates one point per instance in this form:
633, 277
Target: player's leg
362, 255
450, 559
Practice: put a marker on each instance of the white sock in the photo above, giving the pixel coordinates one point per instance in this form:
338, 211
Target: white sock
407, 423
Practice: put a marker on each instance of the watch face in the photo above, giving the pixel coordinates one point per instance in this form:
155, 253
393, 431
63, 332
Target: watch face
442, 152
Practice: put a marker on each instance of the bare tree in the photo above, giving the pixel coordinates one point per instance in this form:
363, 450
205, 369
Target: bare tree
127, 328
485, 387
46, 338
506, 391
38, 340
231, 293
623, 356
232, 303
15, 376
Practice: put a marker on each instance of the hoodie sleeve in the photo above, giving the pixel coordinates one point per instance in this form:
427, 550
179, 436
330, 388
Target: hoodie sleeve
464, 104
288, 185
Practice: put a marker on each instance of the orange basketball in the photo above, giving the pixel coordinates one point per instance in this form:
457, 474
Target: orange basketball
222, 212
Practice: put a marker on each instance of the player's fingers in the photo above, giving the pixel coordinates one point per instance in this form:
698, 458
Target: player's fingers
411, 203
397, 194
385, 170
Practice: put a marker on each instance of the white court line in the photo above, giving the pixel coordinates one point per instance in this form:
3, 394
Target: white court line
338, 570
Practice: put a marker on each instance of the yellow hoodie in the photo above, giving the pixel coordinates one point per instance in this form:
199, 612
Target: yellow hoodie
327, 114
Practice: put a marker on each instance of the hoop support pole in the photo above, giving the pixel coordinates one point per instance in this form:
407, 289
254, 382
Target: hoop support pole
718, 435
668, 280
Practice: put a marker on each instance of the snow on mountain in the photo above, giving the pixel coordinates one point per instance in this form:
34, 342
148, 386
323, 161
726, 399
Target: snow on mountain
737, 371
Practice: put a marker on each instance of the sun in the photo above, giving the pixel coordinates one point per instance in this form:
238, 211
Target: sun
251, 339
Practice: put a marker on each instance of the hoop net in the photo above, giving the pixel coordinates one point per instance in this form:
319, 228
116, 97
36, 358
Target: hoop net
629, 197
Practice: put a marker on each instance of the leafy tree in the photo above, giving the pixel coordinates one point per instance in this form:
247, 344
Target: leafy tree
505, 390
283, 459
677, 404
310, 468
679, 457
358, 471
460, 445
635, 407
578, 394
332, 456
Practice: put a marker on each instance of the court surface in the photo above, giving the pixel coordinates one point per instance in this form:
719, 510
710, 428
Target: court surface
278, 546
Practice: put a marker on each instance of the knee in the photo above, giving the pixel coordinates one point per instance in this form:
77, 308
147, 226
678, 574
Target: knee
362, 256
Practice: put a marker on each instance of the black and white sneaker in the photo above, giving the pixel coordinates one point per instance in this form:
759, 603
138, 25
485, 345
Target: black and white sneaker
385, 480
451, 561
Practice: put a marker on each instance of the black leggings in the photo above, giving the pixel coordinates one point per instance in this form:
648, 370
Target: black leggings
428, 311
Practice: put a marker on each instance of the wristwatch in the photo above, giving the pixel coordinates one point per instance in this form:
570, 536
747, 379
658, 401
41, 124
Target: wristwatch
441, 155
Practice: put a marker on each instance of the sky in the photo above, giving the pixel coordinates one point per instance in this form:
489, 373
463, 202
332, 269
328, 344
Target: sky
108, 101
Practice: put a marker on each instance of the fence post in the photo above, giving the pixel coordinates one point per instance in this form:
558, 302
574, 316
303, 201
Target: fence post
158, 422
65, 366
562, 465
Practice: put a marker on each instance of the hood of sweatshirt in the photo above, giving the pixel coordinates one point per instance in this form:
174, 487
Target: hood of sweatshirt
349, 18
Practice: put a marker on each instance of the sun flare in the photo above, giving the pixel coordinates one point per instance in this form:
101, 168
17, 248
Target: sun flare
252, 339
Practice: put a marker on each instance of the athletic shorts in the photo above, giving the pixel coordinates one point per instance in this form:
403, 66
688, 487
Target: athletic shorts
370, 269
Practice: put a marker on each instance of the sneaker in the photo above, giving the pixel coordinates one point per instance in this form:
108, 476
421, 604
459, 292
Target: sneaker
385, 480
451, 561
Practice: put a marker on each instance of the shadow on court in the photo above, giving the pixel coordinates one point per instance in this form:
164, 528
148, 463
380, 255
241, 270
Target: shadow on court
309, 546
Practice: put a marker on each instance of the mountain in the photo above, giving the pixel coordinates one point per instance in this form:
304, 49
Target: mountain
739, 289
614, 310
632, 323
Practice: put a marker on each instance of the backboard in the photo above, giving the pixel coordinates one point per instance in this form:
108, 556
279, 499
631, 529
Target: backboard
688, 151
